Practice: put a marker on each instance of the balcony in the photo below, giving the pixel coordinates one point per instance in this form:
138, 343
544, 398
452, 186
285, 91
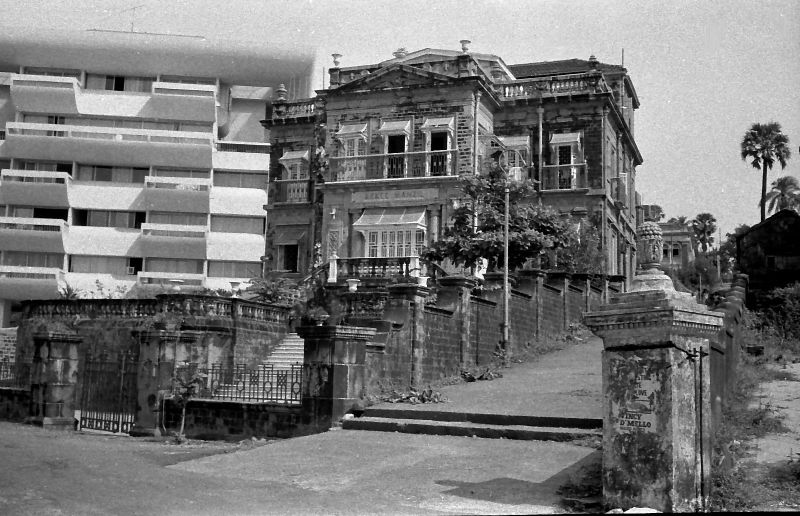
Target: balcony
241, 156
292, 191
395, 166
21, 283
173, 241
34, 188
298, 110
177, 88
170, 279
32, 234
542, 87
374, 269
564, 177
189, 194
110, 145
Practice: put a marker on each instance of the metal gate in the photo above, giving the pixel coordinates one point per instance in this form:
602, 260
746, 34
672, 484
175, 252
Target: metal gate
108, 394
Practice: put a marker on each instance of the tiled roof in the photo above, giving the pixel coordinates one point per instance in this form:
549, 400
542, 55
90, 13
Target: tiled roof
565, 66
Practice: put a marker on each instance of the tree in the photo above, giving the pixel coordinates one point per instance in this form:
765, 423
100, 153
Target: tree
727, 249
763, 144
532, 228
785, 194
704, 226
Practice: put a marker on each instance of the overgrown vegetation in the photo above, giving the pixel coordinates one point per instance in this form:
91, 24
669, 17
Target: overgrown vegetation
738, 482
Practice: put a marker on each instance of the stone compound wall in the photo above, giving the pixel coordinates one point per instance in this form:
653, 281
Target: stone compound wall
427, 342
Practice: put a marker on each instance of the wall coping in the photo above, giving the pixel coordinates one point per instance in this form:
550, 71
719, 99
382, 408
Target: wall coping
336, 332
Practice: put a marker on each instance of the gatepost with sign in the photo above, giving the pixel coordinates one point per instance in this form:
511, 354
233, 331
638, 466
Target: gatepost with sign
656, 415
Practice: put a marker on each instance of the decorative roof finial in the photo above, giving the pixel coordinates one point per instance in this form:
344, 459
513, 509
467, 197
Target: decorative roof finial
281, 92
593, 62
465, 45
336, 58
400, 52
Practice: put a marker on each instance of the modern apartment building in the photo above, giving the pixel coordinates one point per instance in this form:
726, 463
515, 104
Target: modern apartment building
366, 172
131, 161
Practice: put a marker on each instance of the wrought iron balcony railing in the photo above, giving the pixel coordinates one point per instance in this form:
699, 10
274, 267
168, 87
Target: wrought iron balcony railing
403, 267
564, 177
394, 166
250, 147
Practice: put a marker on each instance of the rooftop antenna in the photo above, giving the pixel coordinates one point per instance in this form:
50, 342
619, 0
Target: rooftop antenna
133, 13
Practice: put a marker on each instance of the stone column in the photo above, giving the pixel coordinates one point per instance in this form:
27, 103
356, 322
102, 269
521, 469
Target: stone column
656, 413
55, 377
532, 280
416, 294
333, 373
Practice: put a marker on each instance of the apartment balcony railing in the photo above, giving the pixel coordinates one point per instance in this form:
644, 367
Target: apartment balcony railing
251, 147
394, 166
117, 134
538, 87
194, 184
35, 273
177, 88
44, 81
292, 190
167, 279
564, 177
35, 176
32, 224
173, 230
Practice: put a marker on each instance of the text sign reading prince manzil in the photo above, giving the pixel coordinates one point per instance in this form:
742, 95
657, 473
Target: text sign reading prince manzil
395, 196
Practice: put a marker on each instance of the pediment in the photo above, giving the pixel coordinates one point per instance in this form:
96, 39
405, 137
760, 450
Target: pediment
395, 76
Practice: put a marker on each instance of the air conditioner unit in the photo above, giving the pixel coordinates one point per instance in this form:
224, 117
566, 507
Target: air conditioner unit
131, 271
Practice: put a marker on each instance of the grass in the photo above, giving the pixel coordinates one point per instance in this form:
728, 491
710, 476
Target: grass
739, 483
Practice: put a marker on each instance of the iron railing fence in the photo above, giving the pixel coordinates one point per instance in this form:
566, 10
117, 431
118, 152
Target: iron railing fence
263, 383
15, 375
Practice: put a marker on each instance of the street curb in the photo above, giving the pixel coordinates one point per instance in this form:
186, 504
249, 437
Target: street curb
485, 419
464, 429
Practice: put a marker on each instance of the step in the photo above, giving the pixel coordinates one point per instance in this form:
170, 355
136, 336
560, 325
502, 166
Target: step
486, 419
466, 429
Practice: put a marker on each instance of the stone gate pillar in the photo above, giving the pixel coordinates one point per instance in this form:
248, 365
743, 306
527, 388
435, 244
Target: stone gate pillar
656, 414
54, 378
333, 373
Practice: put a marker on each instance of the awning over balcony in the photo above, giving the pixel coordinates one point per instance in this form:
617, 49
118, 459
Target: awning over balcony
352, 130
514, 142
294, 156
396, 127
413, 217
289, 235
565, 138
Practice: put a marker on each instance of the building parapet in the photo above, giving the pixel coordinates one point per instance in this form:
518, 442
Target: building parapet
108, 133
539, 87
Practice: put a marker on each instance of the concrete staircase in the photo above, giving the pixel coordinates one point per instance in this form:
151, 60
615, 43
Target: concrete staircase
289, 352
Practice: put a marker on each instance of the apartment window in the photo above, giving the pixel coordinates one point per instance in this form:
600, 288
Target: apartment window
178, 218
101, 173
52, 72
44, 166
117, 265
566, 170
108, 219
119, 83
226, 224
38, 213
174, 265
181, 172
234, 269
187, 80
240, 180
25, 259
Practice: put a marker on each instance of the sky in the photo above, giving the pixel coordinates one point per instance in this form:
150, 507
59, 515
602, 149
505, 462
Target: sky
704, 70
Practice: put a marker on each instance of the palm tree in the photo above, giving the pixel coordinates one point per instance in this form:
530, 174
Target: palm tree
785, 194
683, 220
704, 226
763, 144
